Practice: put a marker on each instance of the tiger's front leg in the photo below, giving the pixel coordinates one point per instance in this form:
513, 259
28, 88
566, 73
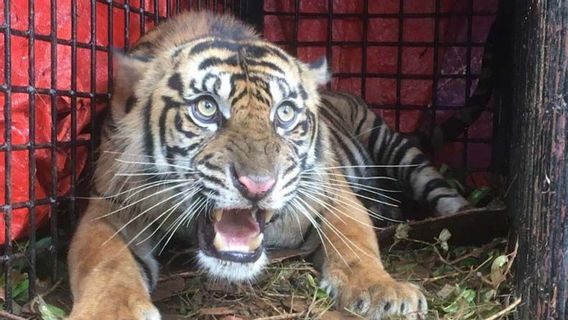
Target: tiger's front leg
105, 279
352, 270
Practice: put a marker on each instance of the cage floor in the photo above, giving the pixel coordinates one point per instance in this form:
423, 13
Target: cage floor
460, 283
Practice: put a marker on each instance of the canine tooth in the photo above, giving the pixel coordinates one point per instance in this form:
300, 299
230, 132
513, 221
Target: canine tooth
218, 242
217, 215
268, 215
255, 242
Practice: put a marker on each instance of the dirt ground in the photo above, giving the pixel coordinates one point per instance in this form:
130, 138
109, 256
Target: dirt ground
460, 282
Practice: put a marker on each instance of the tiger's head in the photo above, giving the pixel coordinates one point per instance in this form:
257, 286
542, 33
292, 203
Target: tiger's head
234, 120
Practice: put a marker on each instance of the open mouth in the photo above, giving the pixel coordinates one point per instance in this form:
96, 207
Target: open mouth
233, 234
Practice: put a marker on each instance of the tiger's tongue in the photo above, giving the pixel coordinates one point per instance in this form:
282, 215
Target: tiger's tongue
237, 230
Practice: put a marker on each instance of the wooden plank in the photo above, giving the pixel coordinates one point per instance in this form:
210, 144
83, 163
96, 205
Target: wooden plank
539, 168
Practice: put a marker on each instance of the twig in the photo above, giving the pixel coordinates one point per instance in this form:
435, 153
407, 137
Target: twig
506, 310
283, 316
9, 316
50, 290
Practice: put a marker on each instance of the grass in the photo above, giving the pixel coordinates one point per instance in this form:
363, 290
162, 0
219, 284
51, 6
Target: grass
459, 282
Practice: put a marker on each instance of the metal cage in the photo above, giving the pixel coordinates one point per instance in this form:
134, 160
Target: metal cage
42, 161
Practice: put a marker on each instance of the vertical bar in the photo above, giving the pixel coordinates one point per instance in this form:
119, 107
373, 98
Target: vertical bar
126, 25
31, 150
435, 70
156, 12
93, 45
399, 64
142, 17
110, 50
329, 44
253, 14
53, 95
7, 160
364, 49
467, 76
73, 93
296, 26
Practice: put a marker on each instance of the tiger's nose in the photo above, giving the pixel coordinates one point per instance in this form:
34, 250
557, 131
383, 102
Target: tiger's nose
253, 187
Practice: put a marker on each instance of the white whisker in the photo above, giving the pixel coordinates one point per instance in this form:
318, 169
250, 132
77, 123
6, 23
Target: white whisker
359, 195
142, 213
142, 199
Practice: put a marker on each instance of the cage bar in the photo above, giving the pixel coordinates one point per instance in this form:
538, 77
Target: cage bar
63, 208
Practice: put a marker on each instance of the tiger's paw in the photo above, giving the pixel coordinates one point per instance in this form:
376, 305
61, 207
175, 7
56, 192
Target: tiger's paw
374, 294
132, 307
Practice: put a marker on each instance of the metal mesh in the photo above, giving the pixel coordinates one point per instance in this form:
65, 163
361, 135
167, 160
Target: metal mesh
353, 38
56, 104
77, 39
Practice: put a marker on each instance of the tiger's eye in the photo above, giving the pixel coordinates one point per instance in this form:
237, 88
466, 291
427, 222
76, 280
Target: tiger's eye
206, 108
285, 114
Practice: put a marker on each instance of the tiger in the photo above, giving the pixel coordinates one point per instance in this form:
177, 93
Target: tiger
221, 138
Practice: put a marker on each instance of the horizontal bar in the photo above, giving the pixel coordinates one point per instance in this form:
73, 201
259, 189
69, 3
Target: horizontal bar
324, 15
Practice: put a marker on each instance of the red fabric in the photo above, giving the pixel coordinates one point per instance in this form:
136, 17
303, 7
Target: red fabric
379, 90
417, 60
19, 105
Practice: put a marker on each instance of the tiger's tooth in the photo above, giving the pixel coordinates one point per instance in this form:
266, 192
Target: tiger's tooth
268, 215
255, 242
218, 242
217, 215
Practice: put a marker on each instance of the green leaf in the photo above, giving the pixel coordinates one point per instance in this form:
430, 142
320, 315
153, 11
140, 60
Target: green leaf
478, 195
321, 294
497, 273
43, 243
468, 295
401, 232
311, 281
50, 312
21, 289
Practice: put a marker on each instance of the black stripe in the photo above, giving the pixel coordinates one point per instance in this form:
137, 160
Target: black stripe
212, 62
147, 271
173, 150
288, 170
360, 150
212, 167
214, 44
377, 124
214, 180
290, 182
400, 152
216, 84
179, 126
318, 148
420, 162
207, 190
432, 185
130, 103
207, 158
148, 137
175, 82
265, 64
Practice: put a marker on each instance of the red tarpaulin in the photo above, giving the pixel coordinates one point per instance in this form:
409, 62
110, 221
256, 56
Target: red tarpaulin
379, 90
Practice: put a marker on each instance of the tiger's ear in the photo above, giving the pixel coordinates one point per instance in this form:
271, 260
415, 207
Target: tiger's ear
320, 71
129, 70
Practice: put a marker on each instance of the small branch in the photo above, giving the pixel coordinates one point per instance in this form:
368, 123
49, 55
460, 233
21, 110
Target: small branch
283, 316
9, 316
506, 310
